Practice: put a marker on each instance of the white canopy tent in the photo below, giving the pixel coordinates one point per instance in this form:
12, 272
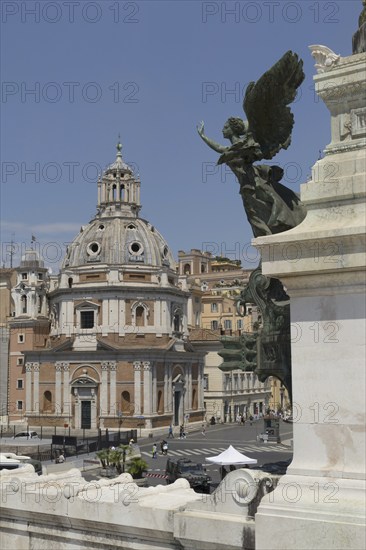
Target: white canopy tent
231, 457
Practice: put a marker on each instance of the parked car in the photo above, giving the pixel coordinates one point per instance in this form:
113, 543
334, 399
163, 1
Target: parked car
289, 419
26, 435
193, 472
11, 461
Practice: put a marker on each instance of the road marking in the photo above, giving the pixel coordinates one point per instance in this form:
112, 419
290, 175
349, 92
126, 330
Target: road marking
195, 451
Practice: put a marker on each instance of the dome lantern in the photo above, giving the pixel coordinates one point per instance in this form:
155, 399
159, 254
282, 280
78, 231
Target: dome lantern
118, 189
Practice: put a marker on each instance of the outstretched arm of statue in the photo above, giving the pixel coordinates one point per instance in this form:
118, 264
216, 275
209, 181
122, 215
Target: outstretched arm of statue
215, 146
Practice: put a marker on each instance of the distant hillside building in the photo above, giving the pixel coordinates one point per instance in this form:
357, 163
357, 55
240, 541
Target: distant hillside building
106, 344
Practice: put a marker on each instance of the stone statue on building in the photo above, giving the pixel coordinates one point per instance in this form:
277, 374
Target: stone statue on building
270, 206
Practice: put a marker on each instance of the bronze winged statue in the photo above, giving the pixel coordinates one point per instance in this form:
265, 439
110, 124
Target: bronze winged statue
270, 206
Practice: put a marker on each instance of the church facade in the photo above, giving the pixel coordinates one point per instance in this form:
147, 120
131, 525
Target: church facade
105, 344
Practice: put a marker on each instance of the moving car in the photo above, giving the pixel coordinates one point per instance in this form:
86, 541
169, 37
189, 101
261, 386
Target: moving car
26, 435
193, 472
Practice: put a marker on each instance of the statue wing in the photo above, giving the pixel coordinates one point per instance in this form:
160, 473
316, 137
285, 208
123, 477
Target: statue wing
266, 104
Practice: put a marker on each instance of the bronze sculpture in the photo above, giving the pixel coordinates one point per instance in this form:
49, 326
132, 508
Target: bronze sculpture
270, 206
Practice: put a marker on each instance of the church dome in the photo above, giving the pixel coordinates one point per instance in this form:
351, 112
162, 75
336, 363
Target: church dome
117, 236
119, 241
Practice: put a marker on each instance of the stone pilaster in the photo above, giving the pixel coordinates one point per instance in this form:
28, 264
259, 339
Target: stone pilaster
58, 382
36, 367
137, 385
112, 388
28, 387
104, 390
66, 405
147, 388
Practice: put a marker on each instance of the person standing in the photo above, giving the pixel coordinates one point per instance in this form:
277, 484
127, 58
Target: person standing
170, 433
154, 452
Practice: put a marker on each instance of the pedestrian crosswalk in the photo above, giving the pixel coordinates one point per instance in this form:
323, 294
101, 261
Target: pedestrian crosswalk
212, 451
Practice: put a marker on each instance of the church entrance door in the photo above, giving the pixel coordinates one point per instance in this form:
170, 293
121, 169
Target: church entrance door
86, 414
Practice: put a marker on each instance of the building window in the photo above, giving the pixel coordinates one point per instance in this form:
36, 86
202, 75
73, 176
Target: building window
20, 361
239, 324
140, 316
87, 319
24, 303
47, 401
205, 382
214, 307
21, 338
203, 268
24, 276
126, 406
40, 276
236, 385
227, 324
227, 382
214, 325
19, 384
19, 405
187, 269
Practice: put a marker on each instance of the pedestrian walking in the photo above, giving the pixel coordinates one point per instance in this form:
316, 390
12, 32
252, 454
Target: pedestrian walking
204, 430
154, 451
182, 434
170, 433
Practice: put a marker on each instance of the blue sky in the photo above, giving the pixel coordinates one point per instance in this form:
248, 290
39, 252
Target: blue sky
150, 71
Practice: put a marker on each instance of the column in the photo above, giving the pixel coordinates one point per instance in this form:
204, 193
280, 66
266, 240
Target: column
137, 383
147, 388
200, 386
154, 389
189, 388
170, 386
28, 387
66, 406
36, 388
112, 388
166, 389
58, 368
103, 405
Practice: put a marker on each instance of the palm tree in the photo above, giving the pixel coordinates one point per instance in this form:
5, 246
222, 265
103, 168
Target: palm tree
137, 467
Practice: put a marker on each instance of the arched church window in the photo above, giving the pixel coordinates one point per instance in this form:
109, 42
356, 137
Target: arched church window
187, 269
70, 281
140, 316
126, 403
24, 303
47, 401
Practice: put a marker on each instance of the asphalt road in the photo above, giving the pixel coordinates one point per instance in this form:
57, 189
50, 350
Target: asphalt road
198, 447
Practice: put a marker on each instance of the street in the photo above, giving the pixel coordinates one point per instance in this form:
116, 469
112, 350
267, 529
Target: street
198, 447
